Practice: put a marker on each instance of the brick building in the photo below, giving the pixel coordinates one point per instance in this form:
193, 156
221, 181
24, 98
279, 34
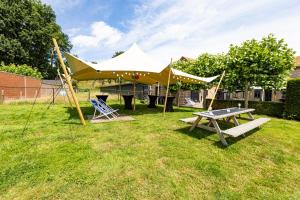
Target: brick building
296, 72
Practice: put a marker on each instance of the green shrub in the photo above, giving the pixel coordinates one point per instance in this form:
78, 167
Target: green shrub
21, 69
275, 109
292, 104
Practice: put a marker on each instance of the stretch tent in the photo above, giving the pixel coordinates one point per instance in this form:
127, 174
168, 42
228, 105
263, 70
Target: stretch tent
133, 65
132, 62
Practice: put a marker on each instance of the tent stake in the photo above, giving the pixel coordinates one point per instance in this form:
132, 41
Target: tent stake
62, 64
212, 100
167, 91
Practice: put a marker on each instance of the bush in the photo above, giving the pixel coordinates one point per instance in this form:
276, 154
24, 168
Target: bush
21, 69
292, 104
275, 109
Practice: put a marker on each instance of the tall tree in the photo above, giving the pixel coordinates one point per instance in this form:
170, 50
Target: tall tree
26, 31
266, 63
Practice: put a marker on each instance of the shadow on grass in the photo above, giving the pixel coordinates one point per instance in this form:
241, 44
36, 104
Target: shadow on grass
196, 133
199, 133
140, 110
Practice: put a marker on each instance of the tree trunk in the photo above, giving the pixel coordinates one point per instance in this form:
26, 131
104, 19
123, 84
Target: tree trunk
247, 95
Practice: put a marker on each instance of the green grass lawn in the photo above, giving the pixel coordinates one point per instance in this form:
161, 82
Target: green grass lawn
149, 158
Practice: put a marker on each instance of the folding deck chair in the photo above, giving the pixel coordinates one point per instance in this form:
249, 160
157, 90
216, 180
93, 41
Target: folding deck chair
102, 112
107, 107
189, 102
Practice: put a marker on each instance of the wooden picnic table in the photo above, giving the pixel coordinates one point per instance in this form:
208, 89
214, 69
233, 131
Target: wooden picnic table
227, 115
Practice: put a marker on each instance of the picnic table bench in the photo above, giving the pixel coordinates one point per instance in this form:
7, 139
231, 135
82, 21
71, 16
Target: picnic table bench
227, 115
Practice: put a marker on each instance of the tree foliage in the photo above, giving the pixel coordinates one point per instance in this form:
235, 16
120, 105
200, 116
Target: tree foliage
117, 53
292, 103
21, 69
26, 31
205, 65
266, 63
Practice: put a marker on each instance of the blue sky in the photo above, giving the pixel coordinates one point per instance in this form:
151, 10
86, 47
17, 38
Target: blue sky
172, 28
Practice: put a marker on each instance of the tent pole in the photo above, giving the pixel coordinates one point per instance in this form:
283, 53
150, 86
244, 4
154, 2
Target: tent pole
167, 91
120, 90
178, 101
134, 95
214, 96
62, 64
157, 92
63, 86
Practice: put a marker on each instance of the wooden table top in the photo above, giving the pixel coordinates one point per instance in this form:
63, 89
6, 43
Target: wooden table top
223, 113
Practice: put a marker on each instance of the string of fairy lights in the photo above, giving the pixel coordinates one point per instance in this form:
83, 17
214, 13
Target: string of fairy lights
138, 75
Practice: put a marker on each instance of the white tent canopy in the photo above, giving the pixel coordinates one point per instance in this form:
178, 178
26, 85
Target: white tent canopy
133, 62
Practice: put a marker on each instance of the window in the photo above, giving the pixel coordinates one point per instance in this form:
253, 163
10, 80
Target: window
257, 94
283, 92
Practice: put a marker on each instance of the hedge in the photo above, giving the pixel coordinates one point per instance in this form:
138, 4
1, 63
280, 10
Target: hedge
270, 108
292, 103
21, 69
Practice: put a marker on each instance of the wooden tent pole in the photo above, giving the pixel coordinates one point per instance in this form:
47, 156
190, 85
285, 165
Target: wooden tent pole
62, 64
214, 96
178, 101
63, 86
167, 91
120, 90
158, 93
134, 95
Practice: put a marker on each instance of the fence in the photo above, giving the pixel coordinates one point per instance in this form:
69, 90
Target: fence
21, 94
57, 94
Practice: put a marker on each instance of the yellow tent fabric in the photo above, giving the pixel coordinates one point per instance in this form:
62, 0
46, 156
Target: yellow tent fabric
132, 65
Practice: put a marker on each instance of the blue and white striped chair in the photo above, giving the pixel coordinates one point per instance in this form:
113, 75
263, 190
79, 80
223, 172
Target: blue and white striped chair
107, 107
102, 112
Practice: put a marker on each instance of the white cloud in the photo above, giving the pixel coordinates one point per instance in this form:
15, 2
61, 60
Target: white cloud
72, 31
171, 28
102, 35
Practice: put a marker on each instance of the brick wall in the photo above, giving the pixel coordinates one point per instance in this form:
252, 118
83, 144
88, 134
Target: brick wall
13, 86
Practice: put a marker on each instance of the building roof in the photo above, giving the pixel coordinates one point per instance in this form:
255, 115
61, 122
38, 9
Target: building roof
297, 61
184, 58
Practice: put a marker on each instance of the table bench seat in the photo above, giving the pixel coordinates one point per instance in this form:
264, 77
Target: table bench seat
244, 128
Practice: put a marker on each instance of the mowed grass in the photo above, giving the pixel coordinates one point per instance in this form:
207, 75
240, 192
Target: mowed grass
149, 158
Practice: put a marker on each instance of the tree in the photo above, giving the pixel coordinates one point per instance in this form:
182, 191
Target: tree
266, 63
205, 65
26, 31
117, 53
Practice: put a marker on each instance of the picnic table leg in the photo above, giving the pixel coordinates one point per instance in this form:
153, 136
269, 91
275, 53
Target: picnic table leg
250, 116
195, 123
236, 122
216, 125
228, 119
209, 123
